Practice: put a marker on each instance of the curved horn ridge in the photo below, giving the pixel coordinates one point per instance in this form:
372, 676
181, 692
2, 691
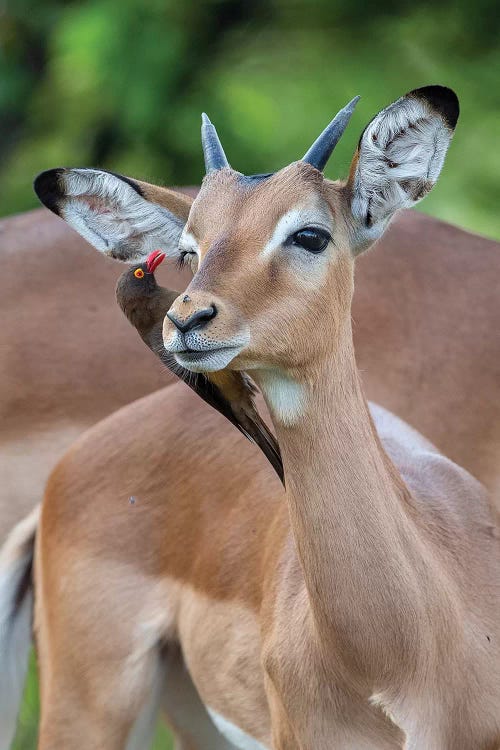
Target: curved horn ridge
323, 146
214, 155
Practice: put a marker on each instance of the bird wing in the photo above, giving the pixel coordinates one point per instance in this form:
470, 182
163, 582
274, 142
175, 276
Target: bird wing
239, 391
239, 408
253, 426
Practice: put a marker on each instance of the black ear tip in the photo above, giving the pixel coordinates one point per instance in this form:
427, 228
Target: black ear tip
443, 100
47, 187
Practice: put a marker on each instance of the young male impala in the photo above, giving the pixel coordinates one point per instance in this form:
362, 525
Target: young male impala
420, 356
358, 610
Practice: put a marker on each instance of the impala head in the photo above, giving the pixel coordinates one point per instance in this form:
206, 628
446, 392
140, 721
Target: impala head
273, 255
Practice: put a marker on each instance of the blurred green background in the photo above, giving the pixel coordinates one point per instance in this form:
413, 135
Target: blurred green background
121, 84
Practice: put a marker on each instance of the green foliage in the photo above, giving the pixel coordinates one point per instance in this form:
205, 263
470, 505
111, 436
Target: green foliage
28, 717
121, 84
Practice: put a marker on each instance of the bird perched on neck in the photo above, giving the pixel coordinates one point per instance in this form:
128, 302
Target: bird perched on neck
145, 303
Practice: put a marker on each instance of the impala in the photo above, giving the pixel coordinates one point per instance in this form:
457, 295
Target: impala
358, 610
79, 362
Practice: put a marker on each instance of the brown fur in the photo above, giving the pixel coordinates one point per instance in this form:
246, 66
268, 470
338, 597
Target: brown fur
360, 608
78, 363
207, 586
67, 356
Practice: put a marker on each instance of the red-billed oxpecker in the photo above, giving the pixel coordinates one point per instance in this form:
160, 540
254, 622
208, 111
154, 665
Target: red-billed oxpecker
145, 304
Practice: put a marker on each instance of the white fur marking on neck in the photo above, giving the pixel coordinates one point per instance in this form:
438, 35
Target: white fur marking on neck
234, 734
284, 395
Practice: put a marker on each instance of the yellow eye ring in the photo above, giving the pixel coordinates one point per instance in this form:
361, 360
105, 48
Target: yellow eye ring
139, 273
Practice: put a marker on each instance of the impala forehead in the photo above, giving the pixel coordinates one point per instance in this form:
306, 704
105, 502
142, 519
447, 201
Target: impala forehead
247, 213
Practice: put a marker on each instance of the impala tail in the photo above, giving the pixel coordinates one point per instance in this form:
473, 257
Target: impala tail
16, 609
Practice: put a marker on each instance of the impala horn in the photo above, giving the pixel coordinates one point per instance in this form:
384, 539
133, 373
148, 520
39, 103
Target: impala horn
322, 148
215, 158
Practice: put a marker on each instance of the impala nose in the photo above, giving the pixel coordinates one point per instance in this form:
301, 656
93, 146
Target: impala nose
197, 319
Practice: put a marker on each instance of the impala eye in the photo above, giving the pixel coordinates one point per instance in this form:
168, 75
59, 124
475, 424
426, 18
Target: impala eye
311, 239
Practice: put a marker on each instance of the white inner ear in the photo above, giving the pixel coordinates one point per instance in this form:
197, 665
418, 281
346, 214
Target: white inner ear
400, 157
113, 217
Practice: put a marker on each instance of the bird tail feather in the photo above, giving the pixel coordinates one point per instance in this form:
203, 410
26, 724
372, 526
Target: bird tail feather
260, 434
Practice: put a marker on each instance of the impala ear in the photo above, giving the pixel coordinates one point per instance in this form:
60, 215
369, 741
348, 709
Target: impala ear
399, 158
123, 218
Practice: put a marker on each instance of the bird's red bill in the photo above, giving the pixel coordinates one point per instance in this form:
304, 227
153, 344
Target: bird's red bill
154, 259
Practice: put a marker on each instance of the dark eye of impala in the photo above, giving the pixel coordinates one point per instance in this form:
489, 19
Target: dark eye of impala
311, 239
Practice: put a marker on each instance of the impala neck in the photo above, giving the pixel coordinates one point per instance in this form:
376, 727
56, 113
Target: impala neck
350, 512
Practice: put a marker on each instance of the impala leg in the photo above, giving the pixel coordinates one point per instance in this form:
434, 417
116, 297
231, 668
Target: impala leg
105, 672
90, 709
324, 721
310, 708
316, 729
100, 634
185, 712
106, 706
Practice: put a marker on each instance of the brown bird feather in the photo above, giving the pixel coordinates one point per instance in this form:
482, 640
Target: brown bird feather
145, 303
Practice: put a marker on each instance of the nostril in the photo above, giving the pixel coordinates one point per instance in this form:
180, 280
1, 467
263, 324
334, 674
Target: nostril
200, 318
211, 313
197, 319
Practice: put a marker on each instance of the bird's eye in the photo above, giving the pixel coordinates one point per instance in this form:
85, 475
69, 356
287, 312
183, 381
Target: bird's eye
311, 239
139, 273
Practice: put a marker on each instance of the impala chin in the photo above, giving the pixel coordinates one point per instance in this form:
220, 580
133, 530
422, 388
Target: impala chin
197, 351
207, 360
